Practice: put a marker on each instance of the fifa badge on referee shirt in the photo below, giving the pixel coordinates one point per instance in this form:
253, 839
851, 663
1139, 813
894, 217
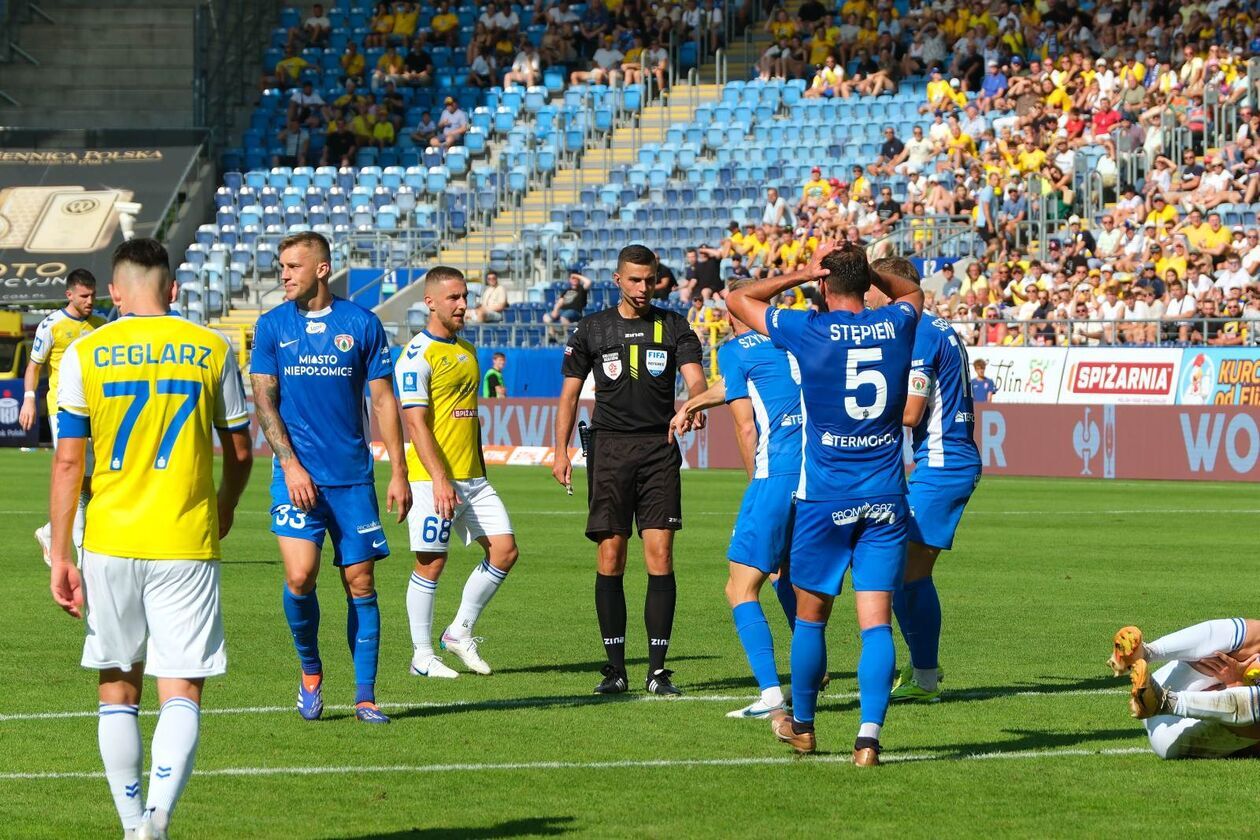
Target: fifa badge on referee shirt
655, 362
612, 365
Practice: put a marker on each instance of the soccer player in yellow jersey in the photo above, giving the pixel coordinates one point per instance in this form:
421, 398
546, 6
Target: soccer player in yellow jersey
54, 335
437, 378
152, 390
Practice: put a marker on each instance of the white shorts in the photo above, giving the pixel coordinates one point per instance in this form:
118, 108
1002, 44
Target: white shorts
163, 613
1174, 737
89, 463
480, 513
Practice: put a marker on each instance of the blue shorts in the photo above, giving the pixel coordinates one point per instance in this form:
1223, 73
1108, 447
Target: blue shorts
763, 531
348, 514
867, 535
937, 499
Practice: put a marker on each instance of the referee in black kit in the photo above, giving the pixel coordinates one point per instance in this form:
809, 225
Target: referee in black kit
632, 469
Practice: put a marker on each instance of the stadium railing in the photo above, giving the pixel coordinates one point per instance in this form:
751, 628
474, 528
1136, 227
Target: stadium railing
228, 38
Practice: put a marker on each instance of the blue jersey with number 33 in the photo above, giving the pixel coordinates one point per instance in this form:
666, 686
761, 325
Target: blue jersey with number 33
323, 360
855, 367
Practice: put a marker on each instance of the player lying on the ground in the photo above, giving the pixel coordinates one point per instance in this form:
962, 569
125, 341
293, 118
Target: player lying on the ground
851, 506
941, 415
1204, 702
761, 383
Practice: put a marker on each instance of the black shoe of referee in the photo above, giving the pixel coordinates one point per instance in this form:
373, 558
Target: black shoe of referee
658, 682
614, 681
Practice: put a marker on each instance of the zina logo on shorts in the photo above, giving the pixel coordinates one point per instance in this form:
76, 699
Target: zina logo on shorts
882, 512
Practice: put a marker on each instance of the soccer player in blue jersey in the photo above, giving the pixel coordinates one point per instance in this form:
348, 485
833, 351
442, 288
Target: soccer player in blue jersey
941, 414
312, 356
851, 500
762, 385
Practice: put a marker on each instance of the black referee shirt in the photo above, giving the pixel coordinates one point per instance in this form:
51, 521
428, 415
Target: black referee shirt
635, 362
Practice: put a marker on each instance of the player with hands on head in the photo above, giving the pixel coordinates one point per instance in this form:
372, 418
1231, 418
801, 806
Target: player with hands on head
313, 356
851, 507
762, 385
437, 378
940, 413
152, 391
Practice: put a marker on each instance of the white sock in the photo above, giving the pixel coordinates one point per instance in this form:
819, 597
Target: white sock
927, 678
870, 730
1222, 635
174, 750
421, 593
1238, 706
118, 732
772, 696
80, 519
480, 588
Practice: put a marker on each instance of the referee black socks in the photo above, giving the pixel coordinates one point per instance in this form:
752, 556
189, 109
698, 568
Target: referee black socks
658, 617
610, 606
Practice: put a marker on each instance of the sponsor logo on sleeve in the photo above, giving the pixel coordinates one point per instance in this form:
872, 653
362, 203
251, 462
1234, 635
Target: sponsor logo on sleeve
409, 381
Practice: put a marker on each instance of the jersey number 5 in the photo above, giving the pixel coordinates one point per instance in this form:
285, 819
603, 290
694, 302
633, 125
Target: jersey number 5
855, 377
139, 391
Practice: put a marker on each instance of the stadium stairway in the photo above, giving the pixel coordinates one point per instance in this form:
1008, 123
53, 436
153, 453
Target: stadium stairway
104, 64
238, 327
471, 253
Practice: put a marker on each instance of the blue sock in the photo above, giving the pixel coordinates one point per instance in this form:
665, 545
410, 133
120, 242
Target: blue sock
875, 671
363, 632
302, 613
918, 610
787, 597
809, 663
754, 635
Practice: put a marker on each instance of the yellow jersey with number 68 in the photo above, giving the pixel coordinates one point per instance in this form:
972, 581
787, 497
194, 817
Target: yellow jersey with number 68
150, 391
442, 375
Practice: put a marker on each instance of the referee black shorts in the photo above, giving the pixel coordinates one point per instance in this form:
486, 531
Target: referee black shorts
632, 478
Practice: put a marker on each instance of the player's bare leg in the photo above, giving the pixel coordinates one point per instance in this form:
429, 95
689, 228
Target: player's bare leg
610, 608
483, 582
301, 610
659, 606
421, 596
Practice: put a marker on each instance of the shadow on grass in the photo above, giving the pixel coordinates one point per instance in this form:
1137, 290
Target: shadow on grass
558, 701
748, 685
593, 666
1028, 740
1043, 685
526, 827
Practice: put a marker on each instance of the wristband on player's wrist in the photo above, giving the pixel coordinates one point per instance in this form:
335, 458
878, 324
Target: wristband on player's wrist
29, 395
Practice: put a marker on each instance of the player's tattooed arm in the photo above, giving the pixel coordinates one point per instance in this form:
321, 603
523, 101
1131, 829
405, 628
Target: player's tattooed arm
267, 409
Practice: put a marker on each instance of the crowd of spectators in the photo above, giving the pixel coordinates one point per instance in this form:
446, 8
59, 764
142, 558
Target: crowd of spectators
611, 42
1020, 100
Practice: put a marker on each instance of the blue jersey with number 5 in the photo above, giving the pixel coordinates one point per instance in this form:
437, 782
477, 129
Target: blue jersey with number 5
855, 367
945, 437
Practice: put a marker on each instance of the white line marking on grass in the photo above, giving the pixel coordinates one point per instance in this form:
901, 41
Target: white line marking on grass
576, 700
664, 763
974, 512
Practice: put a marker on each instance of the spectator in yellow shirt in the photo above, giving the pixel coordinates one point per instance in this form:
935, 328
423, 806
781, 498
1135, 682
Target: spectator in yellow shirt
381, 26
406, 16
445, 26
860, 186
382, 130
352, 62
781, 26
363, 128
1163, 215
938, 93
389, 68
289, 69
816, 190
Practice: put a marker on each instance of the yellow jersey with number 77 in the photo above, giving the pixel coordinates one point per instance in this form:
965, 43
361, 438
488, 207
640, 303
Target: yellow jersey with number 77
150, 391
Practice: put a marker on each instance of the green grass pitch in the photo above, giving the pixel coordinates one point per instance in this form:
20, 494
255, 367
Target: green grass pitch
1034, 739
